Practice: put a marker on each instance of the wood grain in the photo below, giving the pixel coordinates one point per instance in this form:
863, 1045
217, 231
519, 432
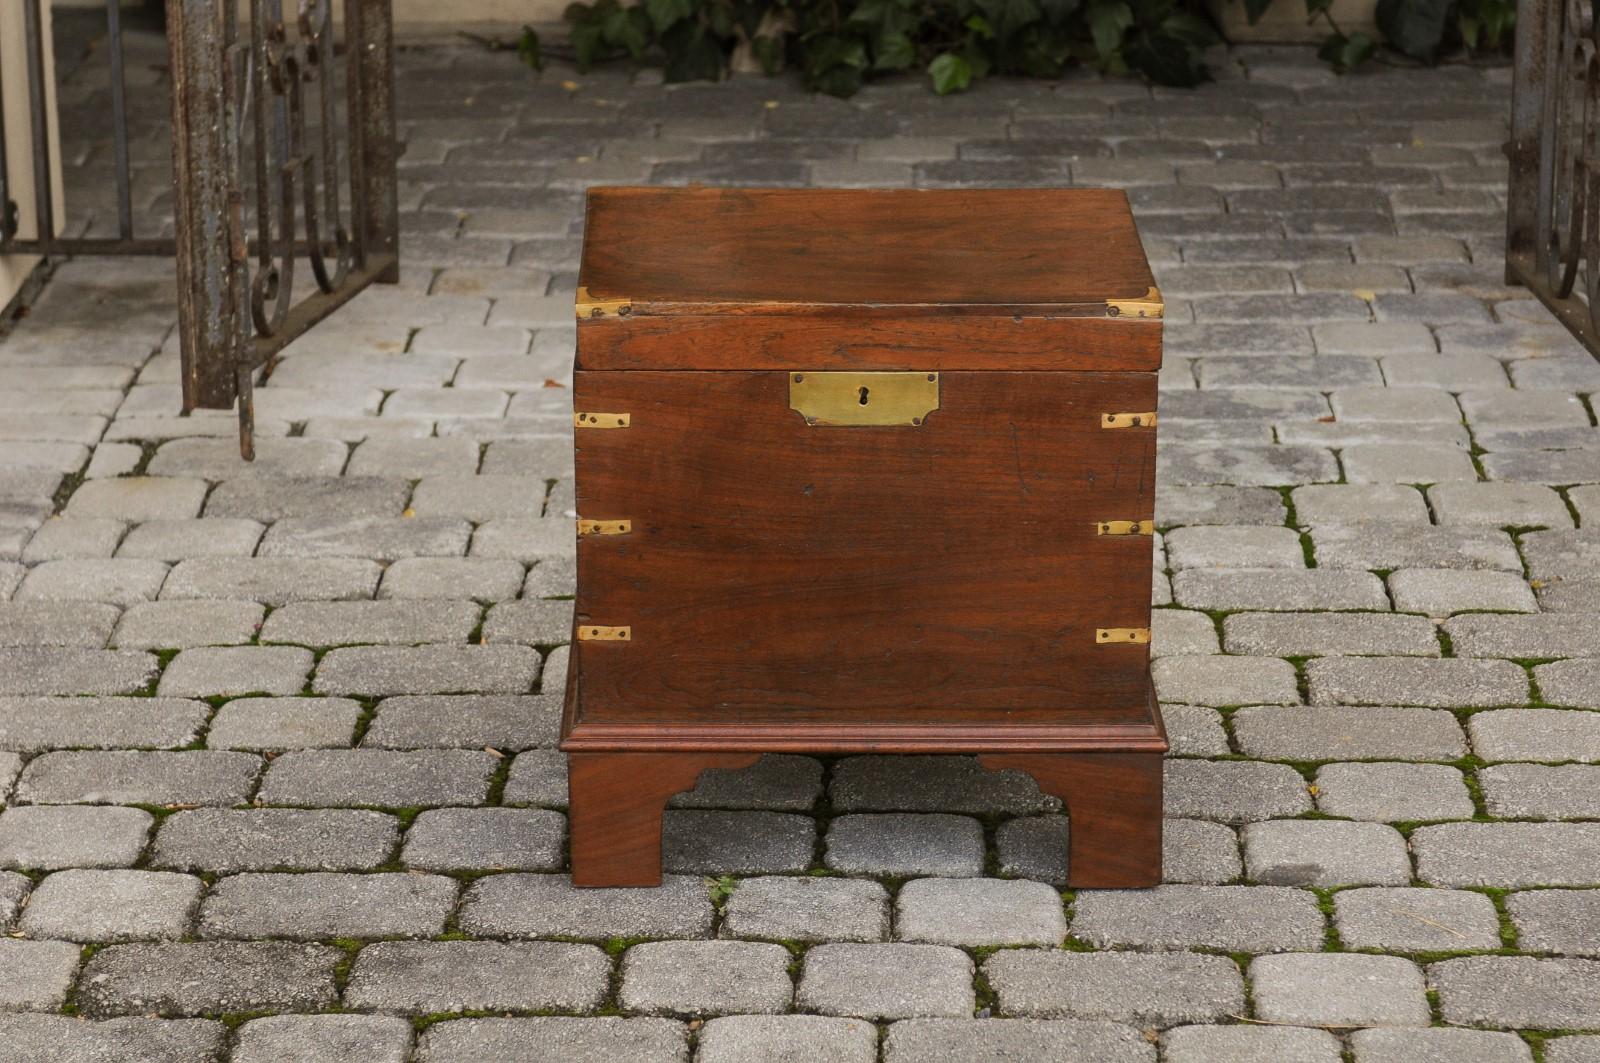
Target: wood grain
615, 803
871, 339
662, 247
1113, 808
946, 573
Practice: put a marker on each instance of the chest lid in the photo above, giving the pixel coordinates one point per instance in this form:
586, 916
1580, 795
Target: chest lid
730, 278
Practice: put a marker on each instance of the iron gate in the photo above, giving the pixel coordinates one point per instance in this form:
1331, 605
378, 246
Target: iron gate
262, 177
1553, 207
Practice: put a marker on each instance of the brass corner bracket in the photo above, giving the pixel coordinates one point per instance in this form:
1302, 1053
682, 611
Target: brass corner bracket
1150, 306
1128, 420
589, 306
1125, 527
592, 633
1126, 635
602, 420
603, 527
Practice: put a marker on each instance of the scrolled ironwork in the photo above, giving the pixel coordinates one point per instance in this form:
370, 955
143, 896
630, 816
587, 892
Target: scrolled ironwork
261, 162
1553, 211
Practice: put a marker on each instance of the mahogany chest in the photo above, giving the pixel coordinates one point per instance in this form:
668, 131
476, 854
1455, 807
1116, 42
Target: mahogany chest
864, 471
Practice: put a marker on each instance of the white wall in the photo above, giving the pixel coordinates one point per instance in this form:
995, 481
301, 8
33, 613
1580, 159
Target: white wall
19, 138
436, 18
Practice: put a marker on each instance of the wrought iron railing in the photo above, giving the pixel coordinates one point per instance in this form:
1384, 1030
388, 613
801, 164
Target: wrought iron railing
1553, 207
256, 120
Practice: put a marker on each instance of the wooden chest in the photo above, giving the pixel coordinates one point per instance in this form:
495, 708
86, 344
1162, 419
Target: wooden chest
864, 471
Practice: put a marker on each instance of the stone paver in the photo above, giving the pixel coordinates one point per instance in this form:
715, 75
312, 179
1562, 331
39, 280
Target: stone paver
794, 908
46, 838
705, 978
208, 978
1146, 989
1236, 918
270, 839
1249, 1044
1439, 1045
1416, 920
1379, 589
1560, 921
577, 1040
748, 1038
979, 912
1104, 1042
905, 844
199, 777
103, 906
1517, 991
1338, 989
1286, 852
436, 976
307, 1038
897, 981
59, 1039
517, 906
317, 906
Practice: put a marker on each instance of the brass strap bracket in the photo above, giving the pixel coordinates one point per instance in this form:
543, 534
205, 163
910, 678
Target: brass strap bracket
601, 420
588, 306
1149, 306
1108, 635
604, 527
1128, 420
591, 633
1125, 527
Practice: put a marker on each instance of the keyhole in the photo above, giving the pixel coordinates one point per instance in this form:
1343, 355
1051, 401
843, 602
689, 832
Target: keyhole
863, 393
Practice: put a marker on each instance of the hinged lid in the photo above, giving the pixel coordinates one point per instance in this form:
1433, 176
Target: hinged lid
872, 279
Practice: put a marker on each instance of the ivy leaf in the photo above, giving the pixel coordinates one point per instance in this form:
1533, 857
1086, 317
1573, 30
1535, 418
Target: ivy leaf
769, 53
623, 30
1191, 29
868, 13
664, 13
1107, 23
831, 51
1166, 60
529, 49
838, 81
950, 73
692, 54
1009, 16
1254, 9
721, 20
1346, 53
980, 26
1317, 7
1415, 27
588, 41
894, 51
1058, 11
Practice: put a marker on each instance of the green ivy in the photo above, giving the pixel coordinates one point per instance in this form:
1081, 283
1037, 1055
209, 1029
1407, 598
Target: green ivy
839, 45
1424, 30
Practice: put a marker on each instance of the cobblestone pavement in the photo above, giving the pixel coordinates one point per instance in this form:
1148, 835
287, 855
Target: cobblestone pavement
278, 766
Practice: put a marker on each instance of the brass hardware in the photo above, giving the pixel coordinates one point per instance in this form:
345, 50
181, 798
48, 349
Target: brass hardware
1109, 635
601, 420
1128, 420
1125, 527
855, 399
604, 527
588, 306
590, 633
1149, 306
